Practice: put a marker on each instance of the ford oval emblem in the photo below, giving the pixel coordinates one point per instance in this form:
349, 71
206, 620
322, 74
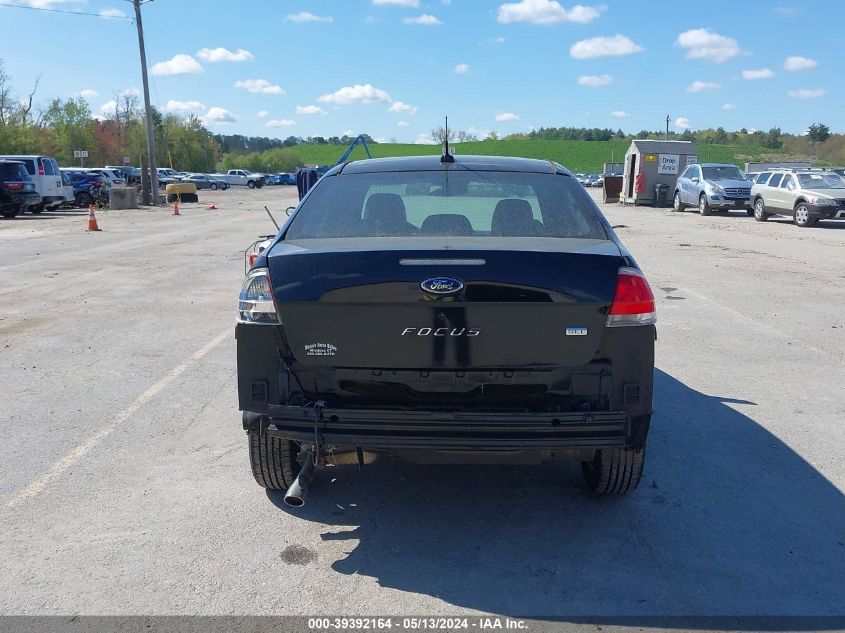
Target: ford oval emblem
442, 286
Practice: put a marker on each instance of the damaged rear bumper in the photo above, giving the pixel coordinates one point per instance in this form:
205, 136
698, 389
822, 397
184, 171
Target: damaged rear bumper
386, 430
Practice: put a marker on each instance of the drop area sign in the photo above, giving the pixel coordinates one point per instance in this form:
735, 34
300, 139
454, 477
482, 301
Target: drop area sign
668, 164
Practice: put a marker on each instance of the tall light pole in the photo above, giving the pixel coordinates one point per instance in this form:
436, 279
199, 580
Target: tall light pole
151, 143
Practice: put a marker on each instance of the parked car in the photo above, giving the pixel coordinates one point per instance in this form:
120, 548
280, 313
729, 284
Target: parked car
46, 176
838, 170
507, 330
67, 189
114, 177
287, 179
594, 180
202, 181
17, 191
88, 187
806, 195
710, 186
242, 177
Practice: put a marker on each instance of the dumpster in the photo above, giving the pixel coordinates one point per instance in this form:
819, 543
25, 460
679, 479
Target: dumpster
612, 188
661, 193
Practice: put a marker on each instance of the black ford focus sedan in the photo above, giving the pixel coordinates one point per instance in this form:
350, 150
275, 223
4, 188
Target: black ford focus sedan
468, 309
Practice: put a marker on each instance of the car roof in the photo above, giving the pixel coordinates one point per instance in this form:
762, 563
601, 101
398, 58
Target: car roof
433, 163
718, 165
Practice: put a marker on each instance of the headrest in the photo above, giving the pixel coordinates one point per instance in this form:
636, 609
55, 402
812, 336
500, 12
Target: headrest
446, 224
513, 216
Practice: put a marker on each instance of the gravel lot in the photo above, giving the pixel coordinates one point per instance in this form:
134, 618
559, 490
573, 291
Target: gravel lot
126, 489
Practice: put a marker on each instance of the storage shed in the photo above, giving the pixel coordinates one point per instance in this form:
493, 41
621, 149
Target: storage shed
648, 163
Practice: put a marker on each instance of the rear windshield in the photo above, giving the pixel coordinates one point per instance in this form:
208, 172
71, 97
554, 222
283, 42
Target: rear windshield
723, 172
447, 203
13, 171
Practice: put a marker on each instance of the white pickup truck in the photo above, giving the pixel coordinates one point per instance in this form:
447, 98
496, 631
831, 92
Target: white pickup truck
242, 177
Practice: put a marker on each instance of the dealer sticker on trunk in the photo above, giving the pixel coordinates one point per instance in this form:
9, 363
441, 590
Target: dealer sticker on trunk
576, 331
320, 349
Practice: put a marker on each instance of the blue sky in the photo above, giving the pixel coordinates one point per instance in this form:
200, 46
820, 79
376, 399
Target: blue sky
393, 68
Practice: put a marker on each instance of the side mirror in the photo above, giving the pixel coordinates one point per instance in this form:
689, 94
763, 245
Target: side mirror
695, 179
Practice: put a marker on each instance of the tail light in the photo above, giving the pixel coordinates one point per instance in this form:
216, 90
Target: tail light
14, 186
40, 168
256, 303
633, 302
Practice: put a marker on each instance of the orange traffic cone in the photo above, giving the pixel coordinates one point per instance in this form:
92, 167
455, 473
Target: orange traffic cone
92, 219
211, 207
176, 208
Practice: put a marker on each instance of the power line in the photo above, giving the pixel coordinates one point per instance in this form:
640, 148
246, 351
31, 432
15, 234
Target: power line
96, 15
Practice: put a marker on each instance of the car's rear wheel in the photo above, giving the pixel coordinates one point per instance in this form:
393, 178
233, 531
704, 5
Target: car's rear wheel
704, 206
749, 213
83, 200
9, 214
802, 215
36, 209
273, 460
677, 205
614, 470
760, 210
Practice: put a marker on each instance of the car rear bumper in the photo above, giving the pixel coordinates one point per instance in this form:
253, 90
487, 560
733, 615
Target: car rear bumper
386, 430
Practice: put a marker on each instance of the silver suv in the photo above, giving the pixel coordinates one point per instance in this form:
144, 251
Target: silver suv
806, 195
712, 186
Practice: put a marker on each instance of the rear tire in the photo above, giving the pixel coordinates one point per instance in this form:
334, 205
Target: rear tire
614, 470
749, 213
9, 214
703, 206
677, 205
38, 208
273, 461
760, 210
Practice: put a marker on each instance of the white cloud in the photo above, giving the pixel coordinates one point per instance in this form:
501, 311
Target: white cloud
807, 94
217, 115
129, 92
305, 16
403, 124
108, 108
221, 54
49, 4
87, 94
620, 114
310, 109
702, 86
706, 44
359, 93
596, 47
281, 123
788, 11
413, 4
594, 81
262, 114
797, 63
682, 123
505, 117
259, 86
461, 69
728, 106
424, 139
112, 13
184, 106
763, 73
179, 65
402, 108
546, 12
426, 19
498, 40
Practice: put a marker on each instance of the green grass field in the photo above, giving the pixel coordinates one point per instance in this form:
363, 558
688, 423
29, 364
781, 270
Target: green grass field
578, 156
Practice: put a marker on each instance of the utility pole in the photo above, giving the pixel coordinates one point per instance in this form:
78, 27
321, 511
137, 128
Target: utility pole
666, 137
151, 144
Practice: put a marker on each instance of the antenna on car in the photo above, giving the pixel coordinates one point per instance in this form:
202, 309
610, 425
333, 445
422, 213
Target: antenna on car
446, 157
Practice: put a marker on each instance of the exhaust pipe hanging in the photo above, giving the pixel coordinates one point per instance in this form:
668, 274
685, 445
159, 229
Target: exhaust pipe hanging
295, 495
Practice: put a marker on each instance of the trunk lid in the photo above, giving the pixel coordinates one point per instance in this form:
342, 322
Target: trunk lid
524, 302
